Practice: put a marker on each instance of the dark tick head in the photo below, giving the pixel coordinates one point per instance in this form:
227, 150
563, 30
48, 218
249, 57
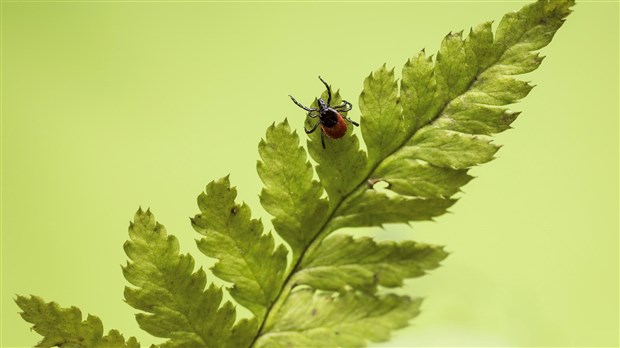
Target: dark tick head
322, 104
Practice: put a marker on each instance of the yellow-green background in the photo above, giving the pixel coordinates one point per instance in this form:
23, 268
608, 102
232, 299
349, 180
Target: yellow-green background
109, 106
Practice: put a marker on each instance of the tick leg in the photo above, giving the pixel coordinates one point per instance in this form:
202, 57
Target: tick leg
312, 115
329, 91
346, 105
352, 122
313, 128
301, 106
322, 139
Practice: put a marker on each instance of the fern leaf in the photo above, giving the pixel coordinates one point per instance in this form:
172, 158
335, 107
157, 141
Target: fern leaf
422, 179
290, 193
373, 208
382, 121
447, 149
418, 92
115, 339
63, 327
178, 306
348, 319
246, 256
363, 264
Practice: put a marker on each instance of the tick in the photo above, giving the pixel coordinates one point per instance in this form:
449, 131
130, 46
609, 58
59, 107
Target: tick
331, 121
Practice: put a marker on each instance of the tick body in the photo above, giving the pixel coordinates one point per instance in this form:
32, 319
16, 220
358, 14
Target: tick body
332, 123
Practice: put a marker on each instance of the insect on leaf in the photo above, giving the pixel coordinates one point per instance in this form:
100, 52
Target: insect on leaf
341, 166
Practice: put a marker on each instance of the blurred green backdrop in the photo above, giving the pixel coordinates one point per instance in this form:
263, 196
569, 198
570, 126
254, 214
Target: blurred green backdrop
110, 105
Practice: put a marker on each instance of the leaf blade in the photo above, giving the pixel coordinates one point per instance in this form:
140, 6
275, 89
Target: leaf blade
172, 296
344, 262
290, 194
349, 319
382, 124
63, 327
246, 257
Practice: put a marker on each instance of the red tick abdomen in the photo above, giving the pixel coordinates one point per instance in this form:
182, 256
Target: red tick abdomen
337, 131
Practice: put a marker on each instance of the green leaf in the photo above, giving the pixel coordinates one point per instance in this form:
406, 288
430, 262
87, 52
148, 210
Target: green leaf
362, 264
383, 126
178, 306
63, 327
454, 67
246, 256
480, 44
478, 119
531, 28
115, 339
347, 319
290, 194
374, 208
420, 179
419, 95
449, 149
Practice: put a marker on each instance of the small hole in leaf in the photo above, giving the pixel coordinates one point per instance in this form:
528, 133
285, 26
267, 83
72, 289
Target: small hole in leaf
381, 185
